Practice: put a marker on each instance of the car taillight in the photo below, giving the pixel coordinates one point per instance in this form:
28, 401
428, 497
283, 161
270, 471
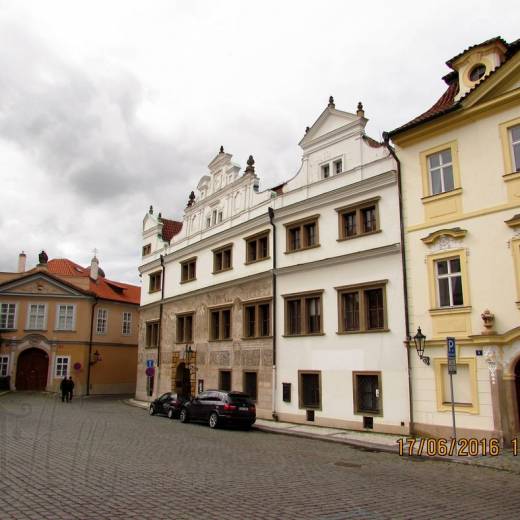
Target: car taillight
252, 408
229, 407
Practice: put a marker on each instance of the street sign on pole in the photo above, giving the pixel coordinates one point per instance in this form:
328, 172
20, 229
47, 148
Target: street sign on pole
452, 369
149, 363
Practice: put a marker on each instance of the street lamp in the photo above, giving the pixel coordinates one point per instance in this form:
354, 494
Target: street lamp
420, 339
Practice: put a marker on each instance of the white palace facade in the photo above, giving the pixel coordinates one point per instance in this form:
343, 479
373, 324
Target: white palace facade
293, 294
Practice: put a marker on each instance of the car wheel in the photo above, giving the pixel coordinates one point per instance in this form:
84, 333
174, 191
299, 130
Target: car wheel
151, 410
170, 413
183, 416
213, 420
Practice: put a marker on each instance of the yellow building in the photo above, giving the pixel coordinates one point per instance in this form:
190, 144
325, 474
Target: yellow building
61, 319
460, 173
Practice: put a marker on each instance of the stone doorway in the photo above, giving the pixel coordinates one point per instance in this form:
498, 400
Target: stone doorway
517, 388
183, 381
32, 368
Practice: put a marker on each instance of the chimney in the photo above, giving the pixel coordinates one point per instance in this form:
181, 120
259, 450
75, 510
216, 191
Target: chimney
22, 257
94, 267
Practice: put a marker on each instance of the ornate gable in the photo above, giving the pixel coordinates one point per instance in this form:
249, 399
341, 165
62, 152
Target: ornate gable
40, 284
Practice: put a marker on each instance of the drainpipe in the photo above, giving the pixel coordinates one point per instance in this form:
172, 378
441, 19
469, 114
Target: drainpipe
90, 343
271, 219
160, 322
386, 140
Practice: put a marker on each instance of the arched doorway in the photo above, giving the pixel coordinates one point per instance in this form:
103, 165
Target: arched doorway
182, 381
31, 370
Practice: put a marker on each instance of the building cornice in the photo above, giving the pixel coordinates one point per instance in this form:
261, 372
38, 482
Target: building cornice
390, 249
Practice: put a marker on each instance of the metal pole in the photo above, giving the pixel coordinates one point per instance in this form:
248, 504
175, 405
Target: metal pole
453, 408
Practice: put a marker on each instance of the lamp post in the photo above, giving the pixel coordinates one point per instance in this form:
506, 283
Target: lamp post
96, 359
419, 340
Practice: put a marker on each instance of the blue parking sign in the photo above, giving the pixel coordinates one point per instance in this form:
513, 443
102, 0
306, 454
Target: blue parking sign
149, 363
452, 355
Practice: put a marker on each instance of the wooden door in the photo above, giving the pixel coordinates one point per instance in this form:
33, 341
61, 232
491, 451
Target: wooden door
31, 371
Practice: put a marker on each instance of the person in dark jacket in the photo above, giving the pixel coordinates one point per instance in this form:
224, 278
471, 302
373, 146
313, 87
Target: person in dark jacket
64, 387
70, 388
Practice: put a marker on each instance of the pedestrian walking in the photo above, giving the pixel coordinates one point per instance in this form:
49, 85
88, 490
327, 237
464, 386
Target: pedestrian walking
64, 387
70, 388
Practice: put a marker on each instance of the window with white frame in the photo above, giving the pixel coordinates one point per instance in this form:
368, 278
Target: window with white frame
65, 317
101, 322
440, 168
36, 316
62, 366
514, 132
4, 366
325, 171
449, 282
127, 323
7, 315
338, 166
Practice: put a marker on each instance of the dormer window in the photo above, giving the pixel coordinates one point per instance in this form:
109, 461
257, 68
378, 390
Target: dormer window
477, 72
325, 171
338, 166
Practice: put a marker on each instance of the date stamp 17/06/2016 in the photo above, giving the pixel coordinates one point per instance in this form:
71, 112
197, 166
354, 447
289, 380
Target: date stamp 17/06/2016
461, 447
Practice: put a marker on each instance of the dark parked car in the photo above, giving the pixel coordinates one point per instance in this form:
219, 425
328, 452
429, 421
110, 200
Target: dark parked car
168, 404
219, 408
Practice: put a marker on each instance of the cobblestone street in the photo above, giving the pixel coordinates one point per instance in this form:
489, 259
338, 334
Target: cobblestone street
99, 458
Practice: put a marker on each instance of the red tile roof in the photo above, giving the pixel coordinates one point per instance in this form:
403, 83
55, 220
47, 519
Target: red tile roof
102, 287
170, 228
446, 103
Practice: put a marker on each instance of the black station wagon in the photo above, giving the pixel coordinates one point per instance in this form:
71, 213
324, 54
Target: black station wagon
219, 408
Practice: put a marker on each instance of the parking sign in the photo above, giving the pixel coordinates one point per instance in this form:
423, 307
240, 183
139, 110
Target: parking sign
452, 355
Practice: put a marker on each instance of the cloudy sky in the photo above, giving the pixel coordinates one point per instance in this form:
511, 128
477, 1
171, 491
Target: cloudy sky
107, 107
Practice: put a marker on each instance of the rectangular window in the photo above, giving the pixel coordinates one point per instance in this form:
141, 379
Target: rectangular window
7, 315
220, 216
62, 366
65, 317
222, 259
155, 282
449, 282
310, 390
367, 392
4, 366
147, 249
286, 392
185, 328
325, 171
224, 382
257, 320
101, 322
36, 318
152, 334
303, 314
514, 134
338, 166
250, 385
188, 270
362, 308
257, 248
302, 234
127, 324
360, 219
440, 169
220, 324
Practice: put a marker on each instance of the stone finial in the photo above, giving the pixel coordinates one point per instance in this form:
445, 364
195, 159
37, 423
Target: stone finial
331, 102
150, 210
250, 165
489, 320
191, 199
307, 129
221, 149
360, 112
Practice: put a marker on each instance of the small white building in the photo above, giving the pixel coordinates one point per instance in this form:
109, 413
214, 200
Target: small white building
293, 294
